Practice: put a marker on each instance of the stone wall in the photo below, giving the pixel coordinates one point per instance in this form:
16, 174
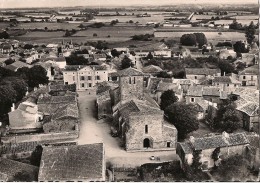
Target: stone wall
135, 89
137, 133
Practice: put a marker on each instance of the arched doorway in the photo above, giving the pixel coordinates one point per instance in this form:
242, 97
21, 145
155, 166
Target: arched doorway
146, 143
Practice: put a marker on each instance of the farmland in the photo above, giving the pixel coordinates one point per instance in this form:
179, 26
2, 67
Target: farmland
117, 34
50, 26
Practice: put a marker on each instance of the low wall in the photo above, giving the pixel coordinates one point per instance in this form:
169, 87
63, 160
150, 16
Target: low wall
41, 137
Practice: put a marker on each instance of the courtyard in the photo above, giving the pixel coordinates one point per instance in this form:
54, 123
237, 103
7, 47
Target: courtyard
94, 131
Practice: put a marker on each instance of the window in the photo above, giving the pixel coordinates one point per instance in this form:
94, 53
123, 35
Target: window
82, 78
195, 77
227, 84
73, 78
89, 78
134, 80
244, 77
252, 77
98, 77
192, 100
129, 80
168, 144
89, 85
82, 85
66, 83
146, 129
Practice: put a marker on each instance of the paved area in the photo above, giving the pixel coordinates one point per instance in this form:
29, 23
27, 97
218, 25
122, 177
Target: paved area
92, 131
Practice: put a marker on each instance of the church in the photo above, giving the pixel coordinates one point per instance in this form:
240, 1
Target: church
137, 117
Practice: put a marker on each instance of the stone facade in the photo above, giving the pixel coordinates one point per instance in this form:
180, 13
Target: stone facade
131, 87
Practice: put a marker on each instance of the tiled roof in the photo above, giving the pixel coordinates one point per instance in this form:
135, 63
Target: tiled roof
222, 79
151, 69
253, 70
130, 72
203, 104
70, 110
105, 86
56, 99
75, 162
195, 91
74, 67
10, 168
215, 141
201, 71
250, 108
210, 91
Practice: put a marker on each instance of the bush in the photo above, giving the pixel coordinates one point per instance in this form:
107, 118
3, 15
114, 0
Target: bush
95, 35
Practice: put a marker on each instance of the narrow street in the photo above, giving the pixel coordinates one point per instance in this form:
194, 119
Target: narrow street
91, 131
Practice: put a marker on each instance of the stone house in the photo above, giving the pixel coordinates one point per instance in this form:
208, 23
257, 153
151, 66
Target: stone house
200, 74
73, 163
228, 144
226, 83
104, 95
16, 65
6, 48
64, 119
85, 77
26, 117
249, 76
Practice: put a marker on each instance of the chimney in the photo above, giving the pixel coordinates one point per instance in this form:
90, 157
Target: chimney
192, 140
225, 135
13, 107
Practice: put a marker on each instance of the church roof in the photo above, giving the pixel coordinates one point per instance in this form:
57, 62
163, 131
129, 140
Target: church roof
130, 72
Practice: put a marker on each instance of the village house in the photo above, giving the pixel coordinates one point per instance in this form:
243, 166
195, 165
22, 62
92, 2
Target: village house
26, 117
90, 49
200, 74
249, 76
6, 48
226, 83
138, 118
247, 101
73, 163
227, 144
104, 94
85, 77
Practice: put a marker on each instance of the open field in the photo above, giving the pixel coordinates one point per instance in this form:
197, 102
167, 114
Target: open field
117, 34
49, 25
114, 32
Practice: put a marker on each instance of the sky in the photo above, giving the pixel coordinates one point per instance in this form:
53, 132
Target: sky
71, 3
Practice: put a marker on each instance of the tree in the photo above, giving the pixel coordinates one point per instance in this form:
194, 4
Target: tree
233, 168
183, 117
250, 32
4, 35
95, 35
37, 76
36, 156
28, 46
226, 67
126, 63
168, 98
235, 25
163, 74
23, 73
240, 47
115, 53
200, 39
149, 56
18, 84
227, 117
9, 61
45, 28
67, 33
188, 39
5, 73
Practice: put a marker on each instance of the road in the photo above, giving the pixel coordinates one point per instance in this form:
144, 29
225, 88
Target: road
92, 131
